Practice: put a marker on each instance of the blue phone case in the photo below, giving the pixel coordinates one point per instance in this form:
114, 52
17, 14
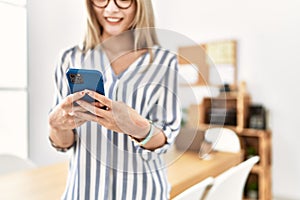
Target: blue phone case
81, 79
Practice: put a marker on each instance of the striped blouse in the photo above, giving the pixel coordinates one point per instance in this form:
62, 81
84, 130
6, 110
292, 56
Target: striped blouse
109, 165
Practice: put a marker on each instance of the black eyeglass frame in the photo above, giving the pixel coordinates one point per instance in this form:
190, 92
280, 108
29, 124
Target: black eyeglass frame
115, 1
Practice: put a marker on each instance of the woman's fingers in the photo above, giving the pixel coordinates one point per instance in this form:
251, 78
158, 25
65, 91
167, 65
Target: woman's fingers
101, 98
76, 109
70, 99
98, 104
63, 116
92, 109
78, 120
75, 96
89, 117
119, 118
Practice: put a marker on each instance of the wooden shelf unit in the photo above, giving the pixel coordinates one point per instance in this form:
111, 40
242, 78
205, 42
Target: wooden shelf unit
230, 103
259, 139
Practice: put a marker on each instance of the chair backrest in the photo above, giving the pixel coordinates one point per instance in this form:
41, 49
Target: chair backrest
12, 163
230, 184
196, 191
223, 139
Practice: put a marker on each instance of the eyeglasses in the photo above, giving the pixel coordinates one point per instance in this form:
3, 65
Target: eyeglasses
122, 4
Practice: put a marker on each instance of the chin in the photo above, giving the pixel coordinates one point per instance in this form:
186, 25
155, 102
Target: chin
113, 33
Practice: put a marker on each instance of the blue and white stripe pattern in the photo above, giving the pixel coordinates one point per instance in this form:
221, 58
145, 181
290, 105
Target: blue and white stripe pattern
109, 165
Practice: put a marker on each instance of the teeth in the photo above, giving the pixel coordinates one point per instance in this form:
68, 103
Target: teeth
110, 19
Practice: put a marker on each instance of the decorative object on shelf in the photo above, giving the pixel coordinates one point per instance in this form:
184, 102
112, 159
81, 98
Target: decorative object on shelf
257, 117
252, 190
221, 116
225, 88
229, 108
251, 151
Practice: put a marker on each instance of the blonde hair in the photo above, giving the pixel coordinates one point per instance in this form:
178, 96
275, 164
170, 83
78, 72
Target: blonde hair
143, 25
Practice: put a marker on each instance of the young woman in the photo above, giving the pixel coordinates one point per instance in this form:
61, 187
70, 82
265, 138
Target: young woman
117, 151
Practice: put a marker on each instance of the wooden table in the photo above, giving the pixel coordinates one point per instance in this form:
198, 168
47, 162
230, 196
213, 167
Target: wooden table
48, 182
189, 169
44, 183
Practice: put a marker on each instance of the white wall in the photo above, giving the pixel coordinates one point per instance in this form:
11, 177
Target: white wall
268, 60
267, 32
13, 86
53, 25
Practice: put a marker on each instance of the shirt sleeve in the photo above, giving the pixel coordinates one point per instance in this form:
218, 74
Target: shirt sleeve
167, 115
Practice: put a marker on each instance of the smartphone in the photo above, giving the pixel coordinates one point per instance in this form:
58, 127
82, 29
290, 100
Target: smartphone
81, 79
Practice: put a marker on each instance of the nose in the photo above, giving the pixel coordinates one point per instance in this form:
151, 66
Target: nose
112, 7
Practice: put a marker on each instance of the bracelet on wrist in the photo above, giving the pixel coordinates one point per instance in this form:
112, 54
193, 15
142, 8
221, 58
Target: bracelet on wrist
149, 136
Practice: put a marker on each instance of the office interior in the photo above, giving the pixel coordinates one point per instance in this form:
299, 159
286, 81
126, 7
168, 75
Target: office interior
267, 35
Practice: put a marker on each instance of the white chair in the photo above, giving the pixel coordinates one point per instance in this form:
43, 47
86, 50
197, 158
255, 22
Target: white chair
223, 139
12, 163
230, 184
195, 192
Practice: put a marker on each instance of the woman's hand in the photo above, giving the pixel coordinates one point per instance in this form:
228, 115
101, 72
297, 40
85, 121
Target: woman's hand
62, 116
116, 116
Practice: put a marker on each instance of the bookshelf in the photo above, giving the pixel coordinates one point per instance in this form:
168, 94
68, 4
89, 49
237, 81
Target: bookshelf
253, 141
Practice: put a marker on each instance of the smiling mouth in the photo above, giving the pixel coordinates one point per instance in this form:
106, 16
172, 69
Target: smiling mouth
113, 19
